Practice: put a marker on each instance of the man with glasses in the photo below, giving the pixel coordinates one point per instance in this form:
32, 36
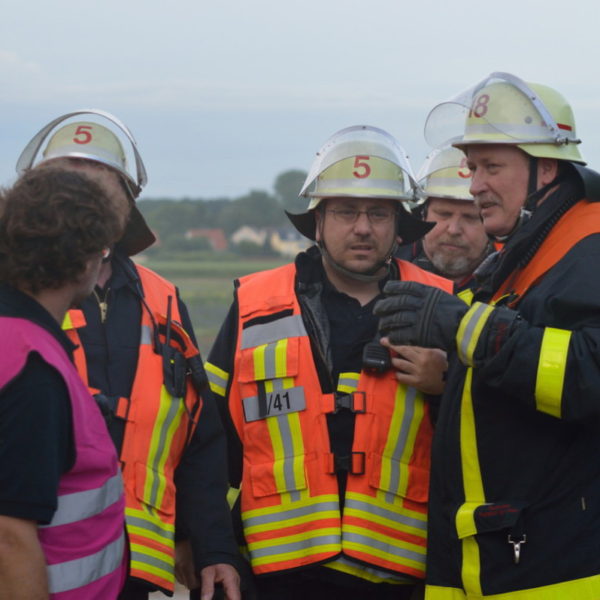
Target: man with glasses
329, 439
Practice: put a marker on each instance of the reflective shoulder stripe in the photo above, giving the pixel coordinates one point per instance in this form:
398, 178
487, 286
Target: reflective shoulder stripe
217, 378
74, 574
82, 505
551, 371
265, 333
466, 296
470, 329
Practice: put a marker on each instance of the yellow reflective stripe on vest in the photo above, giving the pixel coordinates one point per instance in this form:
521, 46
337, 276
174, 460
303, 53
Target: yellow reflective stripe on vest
78, 573
291, 547
149, 560
473, 486
346, 565
469, 331
434, 592
167, 422
265, 333
348, 382
270, 360
217, 379
409, 410
147, 525
466, 296
367, 507
288, 447
551, 371
585, 588
306, 510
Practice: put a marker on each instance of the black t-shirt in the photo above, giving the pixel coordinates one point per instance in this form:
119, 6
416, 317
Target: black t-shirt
36, 435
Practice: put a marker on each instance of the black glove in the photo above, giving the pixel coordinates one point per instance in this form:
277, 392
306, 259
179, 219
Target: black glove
419, 315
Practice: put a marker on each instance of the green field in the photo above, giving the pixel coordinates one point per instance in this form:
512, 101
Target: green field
206, 286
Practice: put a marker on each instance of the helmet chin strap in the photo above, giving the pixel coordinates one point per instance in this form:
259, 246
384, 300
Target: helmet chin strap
368, 276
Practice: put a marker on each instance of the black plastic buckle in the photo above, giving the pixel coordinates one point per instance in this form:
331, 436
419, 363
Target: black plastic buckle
348, 401
354, 463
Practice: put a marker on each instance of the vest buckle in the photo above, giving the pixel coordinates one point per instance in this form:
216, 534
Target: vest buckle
354, 463
355, 402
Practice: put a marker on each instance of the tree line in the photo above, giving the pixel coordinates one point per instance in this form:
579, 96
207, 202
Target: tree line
172, 218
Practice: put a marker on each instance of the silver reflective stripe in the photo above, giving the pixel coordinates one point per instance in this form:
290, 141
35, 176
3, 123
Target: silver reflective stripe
388, 575
348, 382
154, 527
293, 513
80, 572
288, 461
383, 546
385, 513
409, 413
82, 505
301, 546
175, 405
216, 380
148, 559
528, 133
475, 313
269, 361
368, 182
280, 329
145, 336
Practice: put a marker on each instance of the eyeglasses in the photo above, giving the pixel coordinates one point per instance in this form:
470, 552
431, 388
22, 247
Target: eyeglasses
376, 216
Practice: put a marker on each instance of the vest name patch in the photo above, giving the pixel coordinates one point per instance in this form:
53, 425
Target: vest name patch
277, 402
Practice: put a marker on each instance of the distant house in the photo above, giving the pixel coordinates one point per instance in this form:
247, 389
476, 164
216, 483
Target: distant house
288, 242
249, 234
216, 237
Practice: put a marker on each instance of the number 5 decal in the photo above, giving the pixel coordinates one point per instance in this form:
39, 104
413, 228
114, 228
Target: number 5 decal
360, 163
83, 134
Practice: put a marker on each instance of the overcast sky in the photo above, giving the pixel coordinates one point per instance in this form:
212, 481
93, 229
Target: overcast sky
223, 96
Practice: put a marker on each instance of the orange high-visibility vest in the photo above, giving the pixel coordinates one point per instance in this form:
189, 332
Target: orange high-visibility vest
290, 500
156, 433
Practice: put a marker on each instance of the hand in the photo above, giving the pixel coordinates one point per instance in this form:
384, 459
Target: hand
414, 314
220, 573
184, 565
421, 368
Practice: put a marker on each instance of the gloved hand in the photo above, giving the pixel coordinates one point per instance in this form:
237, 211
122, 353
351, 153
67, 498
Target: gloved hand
419, 315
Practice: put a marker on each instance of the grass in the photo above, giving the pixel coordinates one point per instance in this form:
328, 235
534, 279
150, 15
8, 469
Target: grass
206, 287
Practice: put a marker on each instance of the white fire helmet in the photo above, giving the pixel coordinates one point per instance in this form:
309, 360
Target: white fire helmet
91, 140
503, 109
360, 162
445, 174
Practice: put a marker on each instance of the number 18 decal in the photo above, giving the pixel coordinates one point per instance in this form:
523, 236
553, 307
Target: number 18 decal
480, 106
83, 134
360, 162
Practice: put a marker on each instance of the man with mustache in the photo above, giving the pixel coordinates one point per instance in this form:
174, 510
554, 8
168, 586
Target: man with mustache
458, 243
515, 476
329, 446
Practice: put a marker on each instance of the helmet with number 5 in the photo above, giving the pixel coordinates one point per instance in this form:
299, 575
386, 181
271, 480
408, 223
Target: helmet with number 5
444, 174
93, 141
503, 109
361, 162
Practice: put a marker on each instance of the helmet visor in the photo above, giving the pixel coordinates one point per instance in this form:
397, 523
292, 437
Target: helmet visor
360, 141
500, 109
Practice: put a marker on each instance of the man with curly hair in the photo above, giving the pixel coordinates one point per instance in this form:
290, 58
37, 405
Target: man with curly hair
61, 496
